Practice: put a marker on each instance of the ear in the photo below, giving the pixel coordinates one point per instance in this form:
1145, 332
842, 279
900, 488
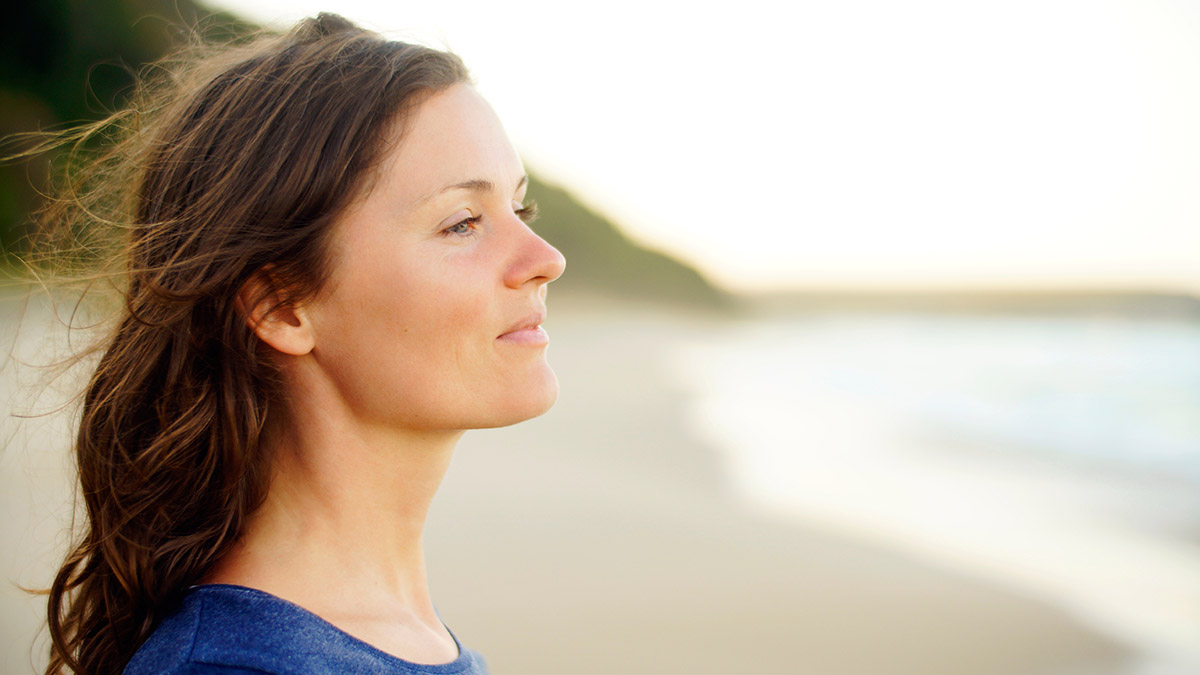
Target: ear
268, 311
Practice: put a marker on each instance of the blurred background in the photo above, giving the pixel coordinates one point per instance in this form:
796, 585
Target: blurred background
879, 341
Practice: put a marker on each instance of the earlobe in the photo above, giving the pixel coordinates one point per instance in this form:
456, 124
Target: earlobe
274, 318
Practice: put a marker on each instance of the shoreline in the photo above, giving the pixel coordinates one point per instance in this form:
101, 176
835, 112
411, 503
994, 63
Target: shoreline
608, 537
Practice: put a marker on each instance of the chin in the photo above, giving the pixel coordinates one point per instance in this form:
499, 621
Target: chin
530, 400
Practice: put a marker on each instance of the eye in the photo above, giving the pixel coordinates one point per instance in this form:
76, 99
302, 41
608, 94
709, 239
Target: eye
527, 212
464, 226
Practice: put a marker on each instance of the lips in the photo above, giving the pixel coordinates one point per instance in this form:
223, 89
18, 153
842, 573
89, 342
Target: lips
527, 331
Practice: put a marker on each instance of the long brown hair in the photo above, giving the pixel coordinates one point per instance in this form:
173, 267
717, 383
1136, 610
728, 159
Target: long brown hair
231, 167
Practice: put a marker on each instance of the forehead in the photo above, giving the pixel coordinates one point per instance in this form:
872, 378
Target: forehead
452, 137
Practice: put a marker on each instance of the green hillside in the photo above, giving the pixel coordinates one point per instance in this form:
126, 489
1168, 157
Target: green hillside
600, 256
65, 61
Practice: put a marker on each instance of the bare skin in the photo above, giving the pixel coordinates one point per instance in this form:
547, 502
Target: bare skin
428, 327
340, 535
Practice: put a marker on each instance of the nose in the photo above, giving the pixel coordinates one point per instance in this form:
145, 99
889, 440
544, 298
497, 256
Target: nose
535, 260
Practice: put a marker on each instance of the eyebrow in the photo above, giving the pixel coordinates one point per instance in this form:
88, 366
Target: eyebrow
474, 185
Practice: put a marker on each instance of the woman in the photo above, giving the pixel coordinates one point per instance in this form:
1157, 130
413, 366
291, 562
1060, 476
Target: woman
330, 277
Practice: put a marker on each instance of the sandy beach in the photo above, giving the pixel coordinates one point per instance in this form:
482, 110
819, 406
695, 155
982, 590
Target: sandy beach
605, 538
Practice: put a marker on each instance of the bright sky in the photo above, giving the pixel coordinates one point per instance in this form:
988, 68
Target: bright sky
859, 143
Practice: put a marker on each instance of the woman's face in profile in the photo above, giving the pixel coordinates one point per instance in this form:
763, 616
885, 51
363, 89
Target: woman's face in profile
430, 317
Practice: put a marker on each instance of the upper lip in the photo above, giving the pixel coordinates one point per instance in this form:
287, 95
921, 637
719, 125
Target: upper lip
530, 321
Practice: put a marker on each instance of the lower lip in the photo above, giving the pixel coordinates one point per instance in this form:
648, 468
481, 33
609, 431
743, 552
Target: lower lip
526, 336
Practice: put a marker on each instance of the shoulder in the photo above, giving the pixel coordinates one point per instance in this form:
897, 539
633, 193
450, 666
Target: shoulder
232, 630
201, 637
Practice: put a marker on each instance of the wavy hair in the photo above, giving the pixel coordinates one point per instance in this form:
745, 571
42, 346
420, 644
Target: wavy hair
233, 164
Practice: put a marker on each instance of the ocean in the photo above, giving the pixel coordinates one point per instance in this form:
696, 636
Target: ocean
1056, 455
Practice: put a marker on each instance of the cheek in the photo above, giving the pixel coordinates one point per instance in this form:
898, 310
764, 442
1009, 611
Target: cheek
447, 302
407, 337
419, 292
466, 379
412, 339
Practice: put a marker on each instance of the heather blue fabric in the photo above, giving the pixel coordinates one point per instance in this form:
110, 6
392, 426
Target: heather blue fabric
234, 630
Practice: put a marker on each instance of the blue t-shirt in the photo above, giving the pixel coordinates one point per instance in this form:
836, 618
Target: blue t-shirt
235, 630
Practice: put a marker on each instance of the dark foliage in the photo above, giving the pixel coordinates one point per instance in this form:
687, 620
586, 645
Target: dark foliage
66, 61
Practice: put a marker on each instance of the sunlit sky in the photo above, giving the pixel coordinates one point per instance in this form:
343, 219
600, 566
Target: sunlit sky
858, 143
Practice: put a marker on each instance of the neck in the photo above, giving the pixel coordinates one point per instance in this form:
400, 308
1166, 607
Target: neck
344, 517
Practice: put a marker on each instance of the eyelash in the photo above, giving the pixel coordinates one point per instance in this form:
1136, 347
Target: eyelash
470, 222
527, 213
